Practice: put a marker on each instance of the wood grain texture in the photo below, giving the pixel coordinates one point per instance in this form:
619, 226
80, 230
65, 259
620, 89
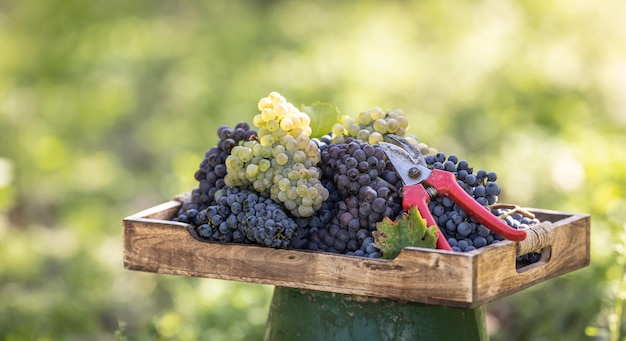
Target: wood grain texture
152, 243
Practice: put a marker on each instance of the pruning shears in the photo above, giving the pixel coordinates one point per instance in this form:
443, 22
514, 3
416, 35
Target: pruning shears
420, 184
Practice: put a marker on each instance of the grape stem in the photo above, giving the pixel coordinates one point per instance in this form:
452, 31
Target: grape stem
512, 209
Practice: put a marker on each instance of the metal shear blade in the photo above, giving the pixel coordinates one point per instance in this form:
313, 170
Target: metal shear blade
410, 169
412, 149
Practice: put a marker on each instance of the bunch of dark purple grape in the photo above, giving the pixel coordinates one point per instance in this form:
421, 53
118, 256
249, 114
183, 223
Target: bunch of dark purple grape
364, 190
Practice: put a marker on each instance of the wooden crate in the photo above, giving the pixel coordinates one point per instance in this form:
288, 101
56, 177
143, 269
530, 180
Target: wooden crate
153, 243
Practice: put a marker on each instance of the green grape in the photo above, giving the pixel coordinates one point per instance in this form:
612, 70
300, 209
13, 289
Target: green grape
284, 184
293, 119
295, 132
264, 165
255, 160
364, 118
281, 110
302, 190
233, 163
228, 181
279, 134
375, 138
291, 194
290, 204
347, 122
286, 124
393, 125
404, 122
377, 113
282, 196
305, 121
252, 171
266, 152
282, 159
264, 102
285, 139
314, 172
257, 120
337, 129
353, 129
363, 134
258, 186
338, 139
268, 114
263, 131
245, 154
312, 193
256, 148
277, 149
305, 211
311, 149
299, 156
274, 191
292, 145
304, 174
235, 151
241, 175
267, 140
293, 175
267, 183
275, 97
306, 201
380, 126
303, 141
272, 125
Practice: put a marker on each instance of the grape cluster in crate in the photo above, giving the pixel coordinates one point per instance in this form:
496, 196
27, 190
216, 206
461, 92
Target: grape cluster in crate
283, 184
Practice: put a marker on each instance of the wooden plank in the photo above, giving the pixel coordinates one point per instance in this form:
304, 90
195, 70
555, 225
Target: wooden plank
152, 243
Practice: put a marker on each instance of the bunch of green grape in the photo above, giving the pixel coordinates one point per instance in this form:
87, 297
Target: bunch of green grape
372, 125
281, 162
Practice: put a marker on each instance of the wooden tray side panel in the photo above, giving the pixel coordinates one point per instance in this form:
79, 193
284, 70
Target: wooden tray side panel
167, 248
569, 251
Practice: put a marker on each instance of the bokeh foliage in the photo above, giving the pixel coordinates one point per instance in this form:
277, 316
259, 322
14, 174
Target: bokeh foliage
106, 108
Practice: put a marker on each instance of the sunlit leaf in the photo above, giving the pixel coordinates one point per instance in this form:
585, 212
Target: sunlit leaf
323, 116
408, 230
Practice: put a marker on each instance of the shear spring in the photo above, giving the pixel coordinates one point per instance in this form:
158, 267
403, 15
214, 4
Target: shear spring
432, 192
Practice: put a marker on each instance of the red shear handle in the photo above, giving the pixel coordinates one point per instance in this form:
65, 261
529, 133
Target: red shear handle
416, 195
445, 183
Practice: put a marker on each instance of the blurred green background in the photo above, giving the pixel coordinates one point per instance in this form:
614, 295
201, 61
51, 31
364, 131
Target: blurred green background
106, 108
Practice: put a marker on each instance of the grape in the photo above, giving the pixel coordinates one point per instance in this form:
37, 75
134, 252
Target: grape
212, 169
282, 160
355, 172
276, 186
371, 126
256, 225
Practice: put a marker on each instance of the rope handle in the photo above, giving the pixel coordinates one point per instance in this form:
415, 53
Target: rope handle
538, 236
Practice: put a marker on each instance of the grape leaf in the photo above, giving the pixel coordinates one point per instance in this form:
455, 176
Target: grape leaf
323, 116
408, 230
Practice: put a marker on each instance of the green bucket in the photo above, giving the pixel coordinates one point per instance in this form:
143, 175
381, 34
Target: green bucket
317, 315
